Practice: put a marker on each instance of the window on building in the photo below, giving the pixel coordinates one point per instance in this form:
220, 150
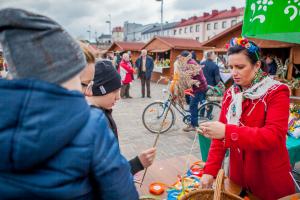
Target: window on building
216, 25
180, 30
174, 32
168, 32
208, 27
233, 22
191, 29
197, 28
185, 30
224, 24
197, 38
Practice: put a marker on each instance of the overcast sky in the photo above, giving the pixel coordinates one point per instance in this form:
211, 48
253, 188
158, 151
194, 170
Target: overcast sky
77, 15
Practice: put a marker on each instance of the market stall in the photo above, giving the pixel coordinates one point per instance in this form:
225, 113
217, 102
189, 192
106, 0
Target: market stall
164, 51
133, 47
287, 55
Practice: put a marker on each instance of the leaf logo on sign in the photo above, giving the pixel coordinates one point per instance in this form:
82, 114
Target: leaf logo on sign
262, 6
293, 9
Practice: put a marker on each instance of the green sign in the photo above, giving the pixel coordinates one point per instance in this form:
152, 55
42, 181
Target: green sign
272, 20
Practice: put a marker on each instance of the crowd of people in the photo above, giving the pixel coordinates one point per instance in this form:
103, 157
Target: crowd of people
59, 139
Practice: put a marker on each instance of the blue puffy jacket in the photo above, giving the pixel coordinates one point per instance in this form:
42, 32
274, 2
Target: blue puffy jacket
51, 146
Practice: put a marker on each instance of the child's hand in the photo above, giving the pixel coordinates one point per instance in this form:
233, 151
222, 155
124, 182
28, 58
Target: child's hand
147, 157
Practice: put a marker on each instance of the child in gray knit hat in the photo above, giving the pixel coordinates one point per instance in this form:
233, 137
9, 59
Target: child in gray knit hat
50, 144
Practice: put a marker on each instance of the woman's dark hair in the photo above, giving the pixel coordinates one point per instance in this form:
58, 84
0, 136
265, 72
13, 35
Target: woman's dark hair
253, 57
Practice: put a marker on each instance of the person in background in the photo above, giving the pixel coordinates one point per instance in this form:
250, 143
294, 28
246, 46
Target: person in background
271, 65
191, 75
117, 60
126, 71
253, 126
103, 94
109, 55
50, 143
211, 69
145, 67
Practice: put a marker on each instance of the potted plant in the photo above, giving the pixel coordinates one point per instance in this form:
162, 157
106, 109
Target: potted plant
296, 86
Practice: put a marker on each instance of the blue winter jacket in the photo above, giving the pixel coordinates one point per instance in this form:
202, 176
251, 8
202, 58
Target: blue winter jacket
51, 146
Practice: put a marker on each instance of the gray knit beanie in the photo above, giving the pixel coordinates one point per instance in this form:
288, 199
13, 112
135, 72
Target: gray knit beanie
35, 46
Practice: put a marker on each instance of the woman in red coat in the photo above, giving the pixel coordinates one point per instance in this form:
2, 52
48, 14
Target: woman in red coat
253, 125
126, 72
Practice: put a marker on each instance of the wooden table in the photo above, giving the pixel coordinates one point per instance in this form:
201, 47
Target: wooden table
166, 171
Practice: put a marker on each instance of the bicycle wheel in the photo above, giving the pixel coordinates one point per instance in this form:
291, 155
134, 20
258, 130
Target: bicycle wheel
209, 111
153, 116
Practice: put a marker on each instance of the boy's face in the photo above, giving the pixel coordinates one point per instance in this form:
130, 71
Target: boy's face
108, 101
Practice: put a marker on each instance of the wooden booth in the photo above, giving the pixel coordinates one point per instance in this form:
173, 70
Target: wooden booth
288, 53
164, 51
134, 48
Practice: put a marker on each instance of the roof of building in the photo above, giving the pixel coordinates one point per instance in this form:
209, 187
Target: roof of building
118, 29
166, 26
127, 46
178, 43
214, 15
143, 28
234, 12
103, 36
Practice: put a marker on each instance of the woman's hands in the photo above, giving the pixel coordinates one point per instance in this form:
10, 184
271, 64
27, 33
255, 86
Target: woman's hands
206, 181
213, 130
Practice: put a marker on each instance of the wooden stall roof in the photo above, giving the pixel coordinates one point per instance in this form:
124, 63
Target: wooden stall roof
220, 40
167, 43
126, 46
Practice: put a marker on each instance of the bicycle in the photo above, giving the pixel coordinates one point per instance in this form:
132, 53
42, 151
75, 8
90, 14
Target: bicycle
154, 112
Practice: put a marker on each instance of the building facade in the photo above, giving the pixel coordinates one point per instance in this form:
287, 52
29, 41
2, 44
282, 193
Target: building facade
133, 32
117, 34
208, 25
104, 41
156, 31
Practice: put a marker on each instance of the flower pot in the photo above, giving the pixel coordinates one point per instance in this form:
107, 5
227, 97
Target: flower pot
297, 92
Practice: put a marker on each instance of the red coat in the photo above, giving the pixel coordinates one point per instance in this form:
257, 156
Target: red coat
259, 158
126, 72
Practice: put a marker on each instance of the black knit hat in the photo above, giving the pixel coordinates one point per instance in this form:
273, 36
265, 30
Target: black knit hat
106, 79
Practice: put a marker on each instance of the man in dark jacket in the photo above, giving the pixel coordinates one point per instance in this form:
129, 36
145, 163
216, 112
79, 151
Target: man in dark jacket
145, 66
211, 70
271, 65
50, 143
212, 74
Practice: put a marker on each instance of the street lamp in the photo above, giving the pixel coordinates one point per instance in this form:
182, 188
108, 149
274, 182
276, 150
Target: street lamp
89, 31
161, 16
109, 23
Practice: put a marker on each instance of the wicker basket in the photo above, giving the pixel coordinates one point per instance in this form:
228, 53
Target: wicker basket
210, 194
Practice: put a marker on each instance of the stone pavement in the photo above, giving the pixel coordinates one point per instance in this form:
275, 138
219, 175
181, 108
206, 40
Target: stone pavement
134, 137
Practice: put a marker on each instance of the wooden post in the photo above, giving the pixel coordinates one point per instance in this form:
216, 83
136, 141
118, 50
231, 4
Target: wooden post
290, 65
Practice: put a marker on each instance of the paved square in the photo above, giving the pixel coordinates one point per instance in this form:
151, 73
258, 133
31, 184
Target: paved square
134, 137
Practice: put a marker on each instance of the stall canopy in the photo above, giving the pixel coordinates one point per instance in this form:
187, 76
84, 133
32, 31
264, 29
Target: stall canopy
159, 44
272, 20
126, 46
